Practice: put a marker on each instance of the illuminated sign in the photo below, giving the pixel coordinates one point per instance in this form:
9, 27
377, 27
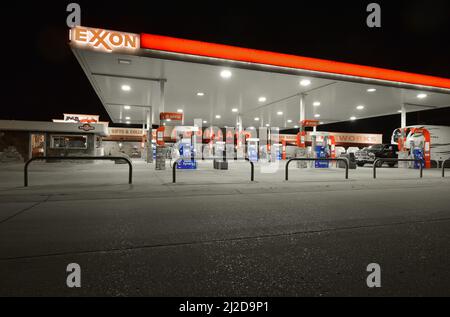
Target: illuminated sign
357, 138
86, 127
126, 132
104, 39
340, 138
174, 116
310, 123
81, 118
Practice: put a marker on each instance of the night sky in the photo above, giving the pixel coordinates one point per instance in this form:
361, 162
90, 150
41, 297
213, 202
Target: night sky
44, 79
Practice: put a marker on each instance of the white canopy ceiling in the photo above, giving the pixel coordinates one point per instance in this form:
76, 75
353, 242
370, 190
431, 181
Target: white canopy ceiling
184, 80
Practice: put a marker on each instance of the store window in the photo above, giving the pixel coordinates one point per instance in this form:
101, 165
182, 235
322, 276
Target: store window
76, 142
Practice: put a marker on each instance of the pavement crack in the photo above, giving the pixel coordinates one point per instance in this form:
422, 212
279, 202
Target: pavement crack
25, 210
236, 239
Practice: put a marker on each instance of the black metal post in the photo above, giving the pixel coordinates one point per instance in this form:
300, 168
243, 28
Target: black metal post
375, 169
252, 167
443, 167
174, 172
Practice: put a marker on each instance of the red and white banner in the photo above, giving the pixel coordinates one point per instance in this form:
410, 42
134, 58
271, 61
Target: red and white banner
341, 138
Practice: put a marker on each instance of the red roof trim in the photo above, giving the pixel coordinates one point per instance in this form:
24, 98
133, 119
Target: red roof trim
175, 45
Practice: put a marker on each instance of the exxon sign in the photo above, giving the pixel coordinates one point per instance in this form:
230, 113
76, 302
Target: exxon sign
104, 39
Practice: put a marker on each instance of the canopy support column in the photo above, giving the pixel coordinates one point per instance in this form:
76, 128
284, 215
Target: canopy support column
149, 145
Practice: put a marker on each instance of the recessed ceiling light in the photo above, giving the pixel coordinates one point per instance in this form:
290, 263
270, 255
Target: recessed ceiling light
317, 115
205, 121
126, 88
353, 118
127, 107
235, 110
180, 110
218, 116
226, 74
422, 96
399, 111
262, 99
361, 107
267, 125
280, 113
127, 118
200, 94
289, 121
256, 119
371, 90
305, 82
128, 122
296, 127
316, 104
320, 122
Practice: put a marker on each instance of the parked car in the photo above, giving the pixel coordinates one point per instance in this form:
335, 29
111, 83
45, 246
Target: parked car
369, 154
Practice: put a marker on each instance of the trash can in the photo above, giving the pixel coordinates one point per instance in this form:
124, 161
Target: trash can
160, 160
301, 153
351, 161
221, 164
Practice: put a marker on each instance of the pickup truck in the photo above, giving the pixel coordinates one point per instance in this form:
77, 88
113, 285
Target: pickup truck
368, 155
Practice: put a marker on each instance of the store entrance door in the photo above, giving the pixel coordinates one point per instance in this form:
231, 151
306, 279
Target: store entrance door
37, 145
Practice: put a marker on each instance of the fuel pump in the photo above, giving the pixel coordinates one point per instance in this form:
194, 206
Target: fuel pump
252, 149
399, 138
302, 151
278, 150
414, 143
323, 146
420, 147
320, 149
187, 152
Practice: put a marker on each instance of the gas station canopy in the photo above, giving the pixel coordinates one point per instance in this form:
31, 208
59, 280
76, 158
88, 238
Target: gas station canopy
217, 83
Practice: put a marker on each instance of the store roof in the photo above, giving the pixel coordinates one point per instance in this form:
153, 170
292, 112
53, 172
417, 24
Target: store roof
55, 127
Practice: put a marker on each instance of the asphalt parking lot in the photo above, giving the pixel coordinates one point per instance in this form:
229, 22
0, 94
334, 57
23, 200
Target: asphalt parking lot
215, 233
